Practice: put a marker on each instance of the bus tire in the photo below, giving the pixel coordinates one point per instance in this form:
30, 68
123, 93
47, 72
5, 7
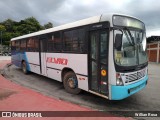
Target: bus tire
70, 83
24, 67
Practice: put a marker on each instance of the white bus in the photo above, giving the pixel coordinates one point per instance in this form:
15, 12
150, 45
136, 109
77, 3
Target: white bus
104, 55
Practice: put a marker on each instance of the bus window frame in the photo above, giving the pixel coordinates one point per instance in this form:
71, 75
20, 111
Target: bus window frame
84, 40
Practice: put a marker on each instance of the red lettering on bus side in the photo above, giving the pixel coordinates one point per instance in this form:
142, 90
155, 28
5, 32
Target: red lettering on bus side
49, 59
61, 61
55, 60
65, 62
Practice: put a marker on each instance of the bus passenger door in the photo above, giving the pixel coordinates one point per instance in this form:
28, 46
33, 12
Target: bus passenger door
98, 62
42, 54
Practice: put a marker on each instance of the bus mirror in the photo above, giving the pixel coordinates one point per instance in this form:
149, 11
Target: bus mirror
118, 41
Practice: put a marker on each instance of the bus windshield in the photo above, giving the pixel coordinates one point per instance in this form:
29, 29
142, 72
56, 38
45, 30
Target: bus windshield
133, 50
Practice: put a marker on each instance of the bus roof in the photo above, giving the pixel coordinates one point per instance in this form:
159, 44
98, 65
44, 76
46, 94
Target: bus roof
91, 20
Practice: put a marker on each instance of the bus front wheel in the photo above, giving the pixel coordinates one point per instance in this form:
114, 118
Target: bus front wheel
24, 67
70, 83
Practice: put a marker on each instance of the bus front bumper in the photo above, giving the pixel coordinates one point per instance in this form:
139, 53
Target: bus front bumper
121, 92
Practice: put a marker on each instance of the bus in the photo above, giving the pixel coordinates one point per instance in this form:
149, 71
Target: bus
104, 55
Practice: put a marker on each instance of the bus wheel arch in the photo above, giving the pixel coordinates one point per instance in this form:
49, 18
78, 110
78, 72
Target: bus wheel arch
70, 81
24, 67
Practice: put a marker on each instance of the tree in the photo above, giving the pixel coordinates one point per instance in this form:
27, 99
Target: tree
48, 25
33, 24
9, 24
11, 28
6, 38
2, 28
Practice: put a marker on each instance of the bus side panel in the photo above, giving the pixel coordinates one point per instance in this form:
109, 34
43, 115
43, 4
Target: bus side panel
82, 82
54, 74
23, 57
15, 58
56, 62
32, 60
18, 57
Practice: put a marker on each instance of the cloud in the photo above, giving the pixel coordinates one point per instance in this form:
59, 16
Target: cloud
21, 9
64, 11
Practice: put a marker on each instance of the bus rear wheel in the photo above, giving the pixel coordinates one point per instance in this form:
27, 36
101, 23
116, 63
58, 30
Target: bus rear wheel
24, 67
70, 83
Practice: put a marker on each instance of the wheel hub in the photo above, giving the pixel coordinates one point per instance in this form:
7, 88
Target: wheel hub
72, 83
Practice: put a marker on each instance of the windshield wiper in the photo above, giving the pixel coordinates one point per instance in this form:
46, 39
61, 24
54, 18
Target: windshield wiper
132, 39
130, 42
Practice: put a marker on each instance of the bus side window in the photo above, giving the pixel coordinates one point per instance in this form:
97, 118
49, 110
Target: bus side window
17, 45
30, 45
74, 40
81, 40
54, 42
50, 43
36, 45
57, 41
13, 45
23, 45
67, 36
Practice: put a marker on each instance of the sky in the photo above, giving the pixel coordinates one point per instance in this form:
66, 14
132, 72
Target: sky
64, 11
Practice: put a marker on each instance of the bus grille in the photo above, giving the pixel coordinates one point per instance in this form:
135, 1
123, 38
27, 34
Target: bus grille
135, 76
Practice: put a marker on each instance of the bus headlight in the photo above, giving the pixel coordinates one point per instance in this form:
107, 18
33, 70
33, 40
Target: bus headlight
119, 81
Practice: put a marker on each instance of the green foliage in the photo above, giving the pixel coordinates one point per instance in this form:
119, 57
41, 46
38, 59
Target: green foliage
2, 28
11, 28
6, 37
8, 24
48, 25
